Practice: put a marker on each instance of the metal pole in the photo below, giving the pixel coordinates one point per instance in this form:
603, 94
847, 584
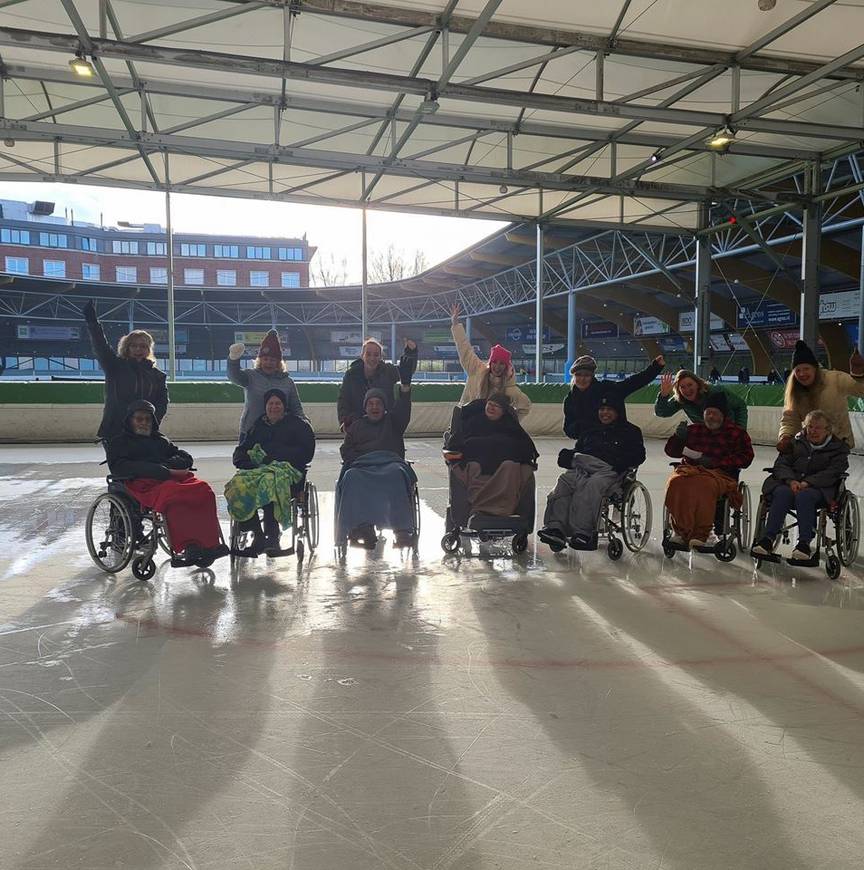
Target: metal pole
702, 326
172, 354
364, 279
393, 355
468, 327
572, 339
538, 348
861, 297
810, 252
131, 313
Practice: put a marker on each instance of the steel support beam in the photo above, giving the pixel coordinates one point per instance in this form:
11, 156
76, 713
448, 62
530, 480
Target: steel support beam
538, 306
861, 298
169, 232
572, 338
394, 356
702, 326
810, 253
364, 289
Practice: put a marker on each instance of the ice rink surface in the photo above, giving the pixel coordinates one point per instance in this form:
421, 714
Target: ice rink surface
549, 711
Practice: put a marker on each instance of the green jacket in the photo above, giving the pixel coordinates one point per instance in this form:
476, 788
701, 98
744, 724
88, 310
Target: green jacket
668, 406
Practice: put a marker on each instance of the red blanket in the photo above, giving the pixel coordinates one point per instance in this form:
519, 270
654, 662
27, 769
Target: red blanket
189, 508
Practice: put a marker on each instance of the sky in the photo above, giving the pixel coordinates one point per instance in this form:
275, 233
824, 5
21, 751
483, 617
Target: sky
336, 231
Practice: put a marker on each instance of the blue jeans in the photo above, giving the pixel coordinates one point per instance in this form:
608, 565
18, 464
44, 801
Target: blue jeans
805, 504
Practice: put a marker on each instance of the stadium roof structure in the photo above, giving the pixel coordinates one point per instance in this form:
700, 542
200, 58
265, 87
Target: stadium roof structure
565, 110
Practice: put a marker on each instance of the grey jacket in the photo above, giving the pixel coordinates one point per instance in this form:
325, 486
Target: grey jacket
822, 469
255, 384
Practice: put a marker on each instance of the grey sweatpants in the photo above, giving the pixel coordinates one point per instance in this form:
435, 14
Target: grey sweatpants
574, 505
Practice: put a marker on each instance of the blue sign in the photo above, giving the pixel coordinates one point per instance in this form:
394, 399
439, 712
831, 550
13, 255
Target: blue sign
528, 334
672, 343
766, 314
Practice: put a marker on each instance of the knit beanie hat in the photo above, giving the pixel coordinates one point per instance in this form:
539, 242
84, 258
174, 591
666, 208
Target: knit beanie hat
803, 355
279, 395
374, 393
271, 346
500, 354
716, 399
584, 363
611, 400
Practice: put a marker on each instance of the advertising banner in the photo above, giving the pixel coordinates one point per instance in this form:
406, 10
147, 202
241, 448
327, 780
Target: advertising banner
649, 326
737, 341
718, 342
437, 336
547, 348
450, 349
687, 322
672, 344
766, 314
48, 333
160, 336
599, 329
253, 339
352, 336
784, 339
840, 306
526, 333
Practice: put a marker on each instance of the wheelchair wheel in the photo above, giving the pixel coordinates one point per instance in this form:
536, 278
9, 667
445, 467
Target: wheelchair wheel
637, 517
109, 533
143, 568
519, 544
416, 505
727, 551
742, 519
615, 549
161, 532
310, 517
759, 521
450, 542
848, 529
299, 550
832, 567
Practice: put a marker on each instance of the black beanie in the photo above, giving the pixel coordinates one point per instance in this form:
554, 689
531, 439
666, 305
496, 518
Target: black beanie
716, 399
611, 400
803, 355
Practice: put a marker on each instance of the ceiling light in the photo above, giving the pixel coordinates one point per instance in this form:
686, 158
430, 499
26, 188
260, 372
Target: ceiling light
656, 156
81, 66
721, 139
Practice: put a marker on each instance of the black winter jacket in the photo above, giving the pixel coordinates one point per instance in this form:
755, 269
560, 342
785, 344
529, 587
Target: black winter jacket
125, 381
581, 406
291, 439
491, 442
619, 444
365, 436
151, 456
822, 468
349, 405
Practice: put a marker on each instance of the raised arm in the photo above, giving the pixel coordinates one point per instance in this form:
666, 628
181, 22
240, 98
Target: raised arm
106, 354
401, 413
235, 373
666, 405
643, 378
469, 360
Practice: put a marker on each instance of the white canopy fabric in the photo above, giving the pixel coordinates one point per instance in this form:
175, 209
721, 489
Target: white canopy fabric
483, 108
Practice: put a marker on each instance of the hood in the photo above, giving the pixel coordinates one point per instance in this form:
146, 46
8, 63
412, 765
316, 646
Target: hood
141, 405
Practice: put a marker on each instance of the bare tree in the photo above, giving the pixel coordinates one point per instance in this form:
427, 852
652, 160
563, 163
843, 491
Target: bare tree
329, 272
393, 264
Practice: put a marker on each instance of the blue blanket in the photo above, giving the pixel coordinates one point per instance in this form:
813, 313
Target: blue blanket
376, 488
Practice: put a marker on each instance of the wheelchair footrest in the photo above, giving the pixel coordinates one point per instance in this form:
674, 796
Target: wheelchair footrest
813, 562
490, 523
275, 554
776, 558
709, 551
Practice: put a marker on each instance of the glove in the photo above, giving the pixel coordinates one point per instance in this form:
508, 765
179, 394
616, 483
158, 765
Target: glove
407, 365
565, 458
89, 312
235, 351
681, 431
784, 445
346, 422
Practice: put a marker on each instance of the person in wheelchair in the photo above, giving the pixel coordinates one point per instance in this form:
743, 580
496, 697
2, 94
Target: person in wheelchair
375, 487
492, 456
712, 455
271, 460
804, 479
596, 465
156, 474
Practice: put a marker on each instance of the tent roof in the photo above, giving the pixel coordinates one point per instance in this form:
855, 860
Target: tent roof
483, 108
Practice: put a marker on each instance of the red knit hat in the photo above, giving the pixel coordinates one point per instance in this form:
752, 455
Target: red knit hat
500, 354
271, 345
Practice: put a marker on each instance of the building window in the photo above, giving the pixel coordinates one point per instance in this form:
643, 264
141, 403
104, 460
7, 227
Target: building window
53, 240
290, 279
257, 253
193, 250
90, 271
15, 237
18, 265
127, 274
54, 268
227, 251
124, 247
259, 279
226, 277
88, 244
193, 276
290, 253
158, 276
157, 249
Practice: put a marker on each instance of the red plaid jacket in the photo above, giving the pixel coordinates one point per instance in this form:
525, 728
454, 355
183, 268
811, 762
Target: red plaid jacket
728, 449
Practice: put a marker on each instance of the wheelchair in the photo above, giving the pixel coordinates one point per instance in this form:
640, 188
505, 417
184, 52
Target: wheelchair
731, 525
841, 551
626, 516
342, 544
118, 530
304, 527
461, 526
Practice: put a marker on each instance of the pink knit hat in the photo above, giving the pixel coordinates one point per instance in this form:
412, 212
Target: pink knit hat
500, 354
